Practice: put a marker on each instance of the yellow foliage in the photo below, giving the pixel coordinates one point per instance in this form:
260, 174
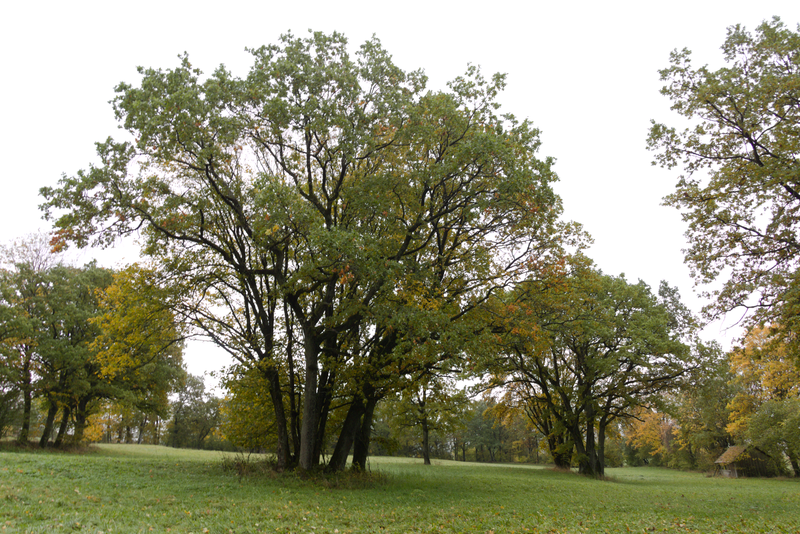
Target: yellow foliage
248, 416
95, 426
763, 373
136, 327
652, 431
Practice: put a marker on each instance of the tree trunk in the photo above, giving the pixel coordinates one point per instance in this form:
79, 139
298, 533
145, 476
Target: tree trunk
80, 420
582, 457
48, 425
27, 397
323, 409
692, 455
347, 435
294, 414
62, 428
364, 435
142, 426
426, 444
560, 449
601, 447
282, 454
309, 422
587, 450
558, 438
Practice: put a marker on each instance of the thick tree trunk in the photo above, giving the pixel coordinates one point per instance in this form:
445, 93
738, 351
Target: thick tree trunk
591, 445
601, 447
323, 408
308, 425
557, 437
80, 420
585, 444
364, 435
560, 449
48, 425
577, 437
347, 435
27, 399
562, 459
282, 453
62, 428
588, 464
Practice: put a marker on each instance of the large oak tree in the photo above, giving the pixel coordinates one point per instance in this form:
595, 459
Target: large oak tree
740, 191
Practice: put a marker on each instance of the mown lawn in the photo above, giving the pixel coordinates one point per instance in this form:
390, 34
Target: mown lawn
130, 488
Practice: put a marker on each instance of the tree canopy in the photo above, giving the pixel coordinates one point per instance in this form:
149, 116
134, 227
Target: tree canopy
581, 349
324, 219
740, 191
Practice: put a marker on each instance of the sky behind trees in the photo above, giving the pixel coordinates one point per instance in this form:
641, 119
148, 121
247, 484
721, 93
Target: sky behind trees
585, 73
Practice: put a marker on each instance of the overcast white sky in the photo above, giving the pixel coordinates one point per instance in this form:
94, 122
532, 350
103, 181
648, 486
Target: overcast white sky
584, 72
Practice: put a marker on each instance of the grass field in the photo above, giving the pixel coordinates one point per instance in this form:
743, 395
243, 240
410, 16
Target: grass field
130, 488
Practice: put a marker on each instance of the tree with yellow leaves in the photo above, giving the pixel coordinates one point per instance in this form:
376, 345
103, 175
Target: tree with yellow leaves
248, 420
686, 428
652, 434
765, 408
140, 341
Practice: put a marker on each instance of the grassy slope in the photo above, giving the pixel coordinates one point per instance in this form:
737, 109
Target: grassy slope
143, 488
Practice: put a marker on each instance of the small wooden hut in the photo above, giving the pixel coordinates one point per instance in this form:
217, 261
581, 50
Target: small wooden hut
745, 461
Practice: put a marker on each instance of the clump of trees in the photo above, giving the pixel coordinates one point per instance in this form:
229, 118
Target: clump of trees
195, 415
580, 351
476, 429
749, 395
428, 411
326, 220
58, 323
764, 409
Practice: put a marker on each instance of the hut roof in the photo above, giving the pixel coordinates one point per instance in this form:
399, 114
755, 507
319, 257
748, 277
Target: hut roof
731, 454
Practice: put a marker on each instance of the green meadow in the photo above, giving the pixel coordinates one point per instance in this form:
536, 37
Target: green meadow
140, 488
